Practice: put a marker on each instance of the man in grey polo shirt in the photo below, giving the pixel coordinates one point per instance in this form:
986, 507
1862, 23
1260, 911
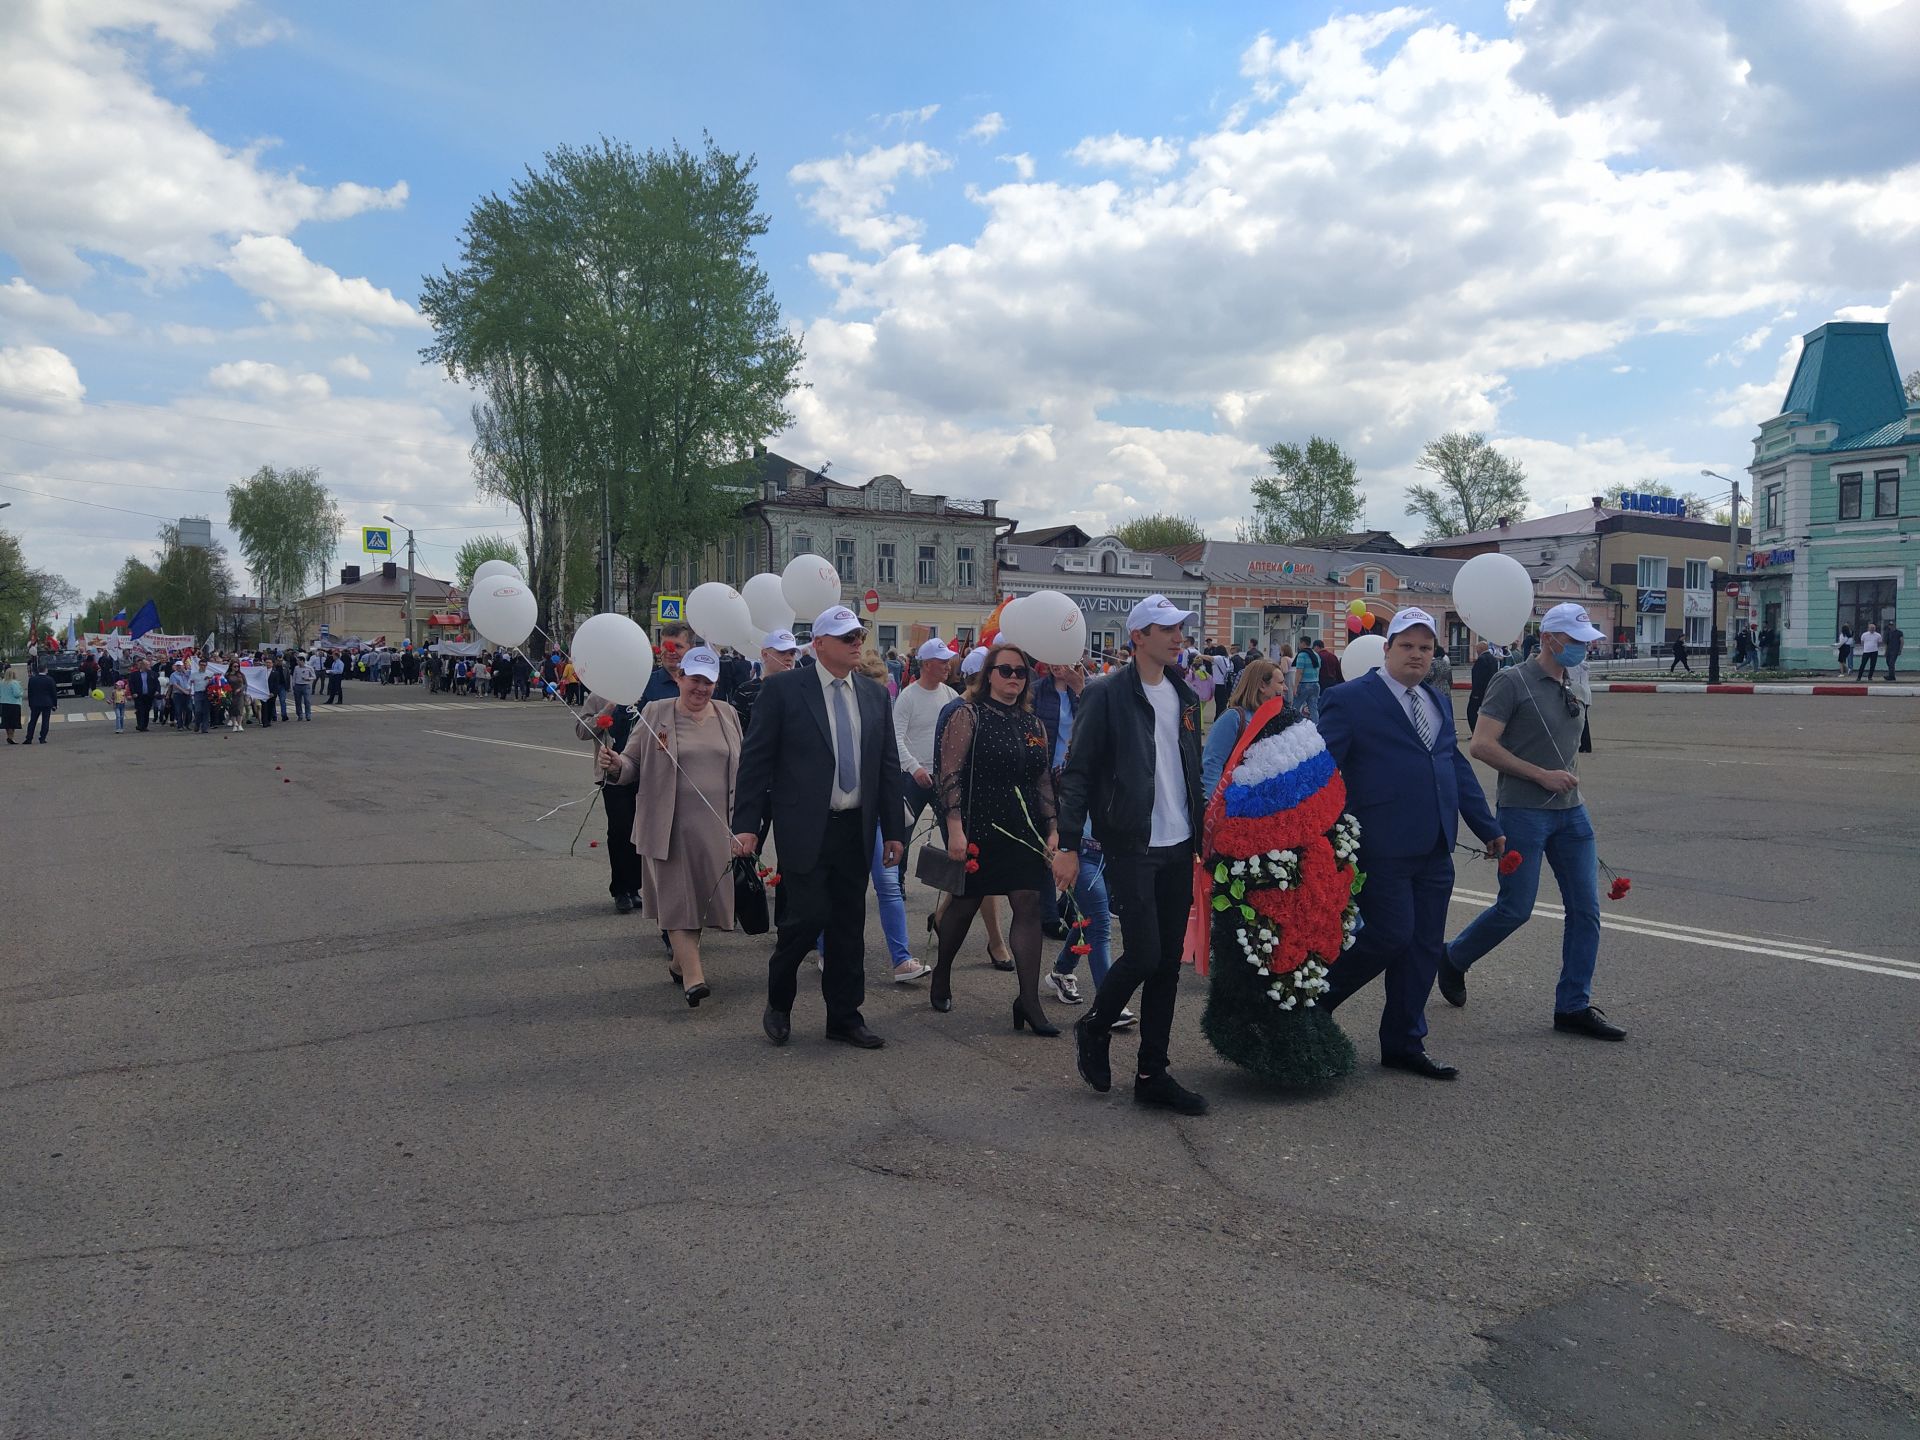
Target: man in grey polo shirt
1529, 730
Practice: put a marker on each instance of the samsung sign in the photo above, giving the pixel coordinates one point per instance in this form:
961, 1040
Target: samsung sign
1654, 504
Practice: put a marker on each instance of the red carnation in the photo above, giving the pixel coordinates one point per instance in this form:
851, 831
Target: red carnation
1083, 948
604, 722
1620, 887
1511, 861
774, 878
1082, 923
972, 866
593, 844
973, 849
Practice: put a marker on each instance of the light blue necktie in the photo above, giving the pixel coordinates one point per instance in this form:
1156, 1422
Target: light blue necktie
848, 774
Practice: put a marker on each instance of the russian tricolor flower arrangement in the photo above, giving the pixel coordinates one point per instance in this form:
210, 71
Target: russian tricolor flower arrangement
1280, 881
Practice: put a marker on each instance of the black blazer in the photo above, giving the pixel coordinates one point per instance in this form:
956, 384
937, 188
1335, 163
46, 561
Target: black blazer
788, 762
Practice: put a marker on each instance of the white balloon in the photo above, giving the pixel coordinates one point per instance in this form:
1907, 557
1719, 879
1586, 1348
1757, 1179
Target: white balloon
719, 615
487, 569
766, 598
1363, 653
614, 658
1494, 595
1050, 627
503, 609
811, 584
1010, 621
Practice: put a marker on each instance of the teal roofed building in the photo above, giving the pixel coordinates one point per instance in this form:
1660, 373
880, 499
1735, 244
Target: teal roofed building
1836, 500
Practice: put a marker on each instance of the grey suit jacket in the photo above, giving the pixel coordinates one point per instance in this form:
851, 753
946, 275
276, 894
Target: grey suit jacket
787, 763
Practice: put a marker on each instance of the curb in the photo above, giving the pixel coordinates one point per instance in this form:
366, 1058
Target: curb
1645, 687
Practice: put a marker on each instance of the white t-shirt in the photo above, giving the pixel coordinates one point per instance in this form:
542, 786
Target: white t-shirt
1171, 822
1870, 643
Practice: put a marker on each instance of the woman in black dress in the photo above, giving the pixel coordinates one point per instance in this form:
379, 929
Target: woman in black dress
996, 789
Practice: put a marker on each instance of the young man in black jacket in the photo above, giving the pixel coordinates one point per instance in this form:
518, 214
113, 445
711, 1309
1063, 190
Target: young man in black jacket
1133, 768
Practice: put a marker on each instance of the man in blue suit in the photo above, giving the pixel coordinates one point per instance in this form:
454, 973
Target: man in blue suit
1407, 785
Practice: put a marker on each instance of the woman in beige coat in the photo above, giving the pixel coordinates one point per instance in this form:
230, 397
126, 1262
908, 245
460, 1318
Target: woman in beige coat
683, 758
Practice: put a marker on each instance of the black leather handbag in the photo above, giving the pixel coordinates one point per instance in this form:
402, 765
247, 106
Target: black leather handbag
935, 867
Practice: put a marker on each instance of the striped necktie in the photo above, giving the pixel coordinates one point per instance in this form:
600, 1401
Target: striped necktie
1422, 716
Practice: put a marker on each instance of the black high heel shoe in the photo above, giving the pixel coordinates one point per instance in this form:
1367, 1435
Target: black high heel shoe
1022, 1020
940, 991
697, 993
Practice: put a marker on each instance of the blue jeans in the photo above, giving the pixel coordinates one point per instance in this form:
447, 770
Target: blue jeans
119, 718
1565, 839
1308, 699
303, 701
893, 909
200, 712
1090, 899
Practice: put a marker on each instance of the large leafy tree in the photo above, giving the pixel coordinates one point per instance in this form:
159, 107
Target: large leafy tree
1159, 532
628, 346
288, 529
29, 597
474, 553
189, 585
1314, 490
1474, 485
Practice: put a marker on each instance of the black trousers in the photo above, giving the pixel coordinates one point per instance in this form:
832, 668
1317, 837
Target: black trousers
1152, 894
37, 715
142, 711
1679, 663
623, 860
1404, 913
829, 899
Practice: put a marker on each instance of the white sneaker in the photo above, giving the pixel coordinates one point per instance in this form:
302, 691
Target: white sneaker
910, 970
1066, 988
1127, 1018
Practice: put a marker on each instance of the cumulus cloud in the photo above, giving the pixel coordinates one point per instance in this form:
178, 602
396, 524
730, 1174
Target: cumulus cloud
1022, 164
275, 269
96, 161
36, 309
264, 378
906, 119
38, 377
1128, 152
1374, 246
850, 192
987, 126
352, 367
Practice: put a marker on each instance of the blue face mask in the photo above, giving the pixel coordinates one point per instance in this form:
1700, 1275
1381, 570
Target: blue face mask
1572, 653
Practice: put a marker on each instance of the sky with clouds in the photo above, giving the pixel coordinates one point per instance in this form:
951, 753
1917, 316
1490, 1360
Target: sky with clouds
1088, 259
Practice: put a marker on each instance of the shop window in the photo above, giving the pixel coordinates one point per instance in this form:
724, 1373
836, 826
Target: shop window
1864, 602
1246, 626
1699, 631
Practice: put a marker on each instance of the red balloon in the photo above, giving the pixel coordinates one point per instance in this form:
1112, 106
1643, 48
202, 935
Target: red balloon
1354, 627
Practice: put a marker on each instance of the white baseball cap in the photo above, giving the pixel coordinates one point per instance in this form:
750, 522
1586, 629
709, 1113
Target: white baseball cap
1570, 620
836, 620
1156, 610
934, 649
701, 661
1408, 618
975, 661
779, 640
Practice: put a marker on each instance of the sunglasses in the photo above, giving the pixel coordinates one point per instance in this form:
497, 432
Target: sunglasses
1011, 672
1570, 700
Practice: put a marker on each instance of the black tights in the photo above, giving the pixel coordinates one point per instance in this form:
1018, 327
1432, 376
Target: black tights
1023, 938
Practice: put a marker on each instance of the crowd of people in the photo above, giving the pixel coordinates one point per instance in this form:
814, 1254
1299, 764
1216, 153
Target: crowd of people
1066, 804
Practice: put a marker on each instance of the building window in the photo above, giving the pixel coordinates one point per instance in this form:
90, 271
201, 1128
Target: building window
1310, 627
1850, 497
889, 636
733, 561
1104, 644
1773, 507
693, 572
802, 545
929, 569
1653, 572
1246, 626
1886, 493
846, 557
963, 638
1649, 631
1864, 602
963, 566
883, 566
1699, 577
1373, 582
1699, 631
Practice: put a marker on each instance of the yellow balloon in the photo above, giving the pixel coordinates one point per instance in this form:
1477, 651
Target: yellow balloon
99, 694
1356, 607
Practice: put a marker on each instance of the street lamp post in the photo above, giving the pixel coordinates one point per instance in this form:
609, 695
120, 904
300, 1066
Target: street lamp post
1718, 567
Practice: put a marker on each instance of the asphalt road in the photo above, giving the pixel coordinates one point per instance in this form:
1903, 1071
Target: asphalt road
335, 1100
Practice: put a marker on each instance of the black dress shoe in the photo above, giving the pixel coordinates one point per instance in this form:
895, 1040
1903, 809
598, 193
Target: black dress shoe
1168, 1093
1452, 982
623, 903
1090, 1056
777, 1024
1591, 1021
1420, 1063
855, 1035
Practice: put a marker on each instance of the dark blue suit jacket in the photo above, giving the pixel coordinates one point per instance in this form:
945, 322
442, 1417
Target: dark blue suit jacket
1406, 798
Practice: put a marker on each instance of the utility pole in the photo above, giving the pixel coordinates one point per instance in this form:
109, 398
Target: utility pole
412, 637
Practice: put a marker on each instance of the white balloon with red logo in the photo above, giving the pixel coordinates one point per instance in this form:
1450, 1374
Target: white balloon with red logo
503, 609
1494, 595
811, 585
719, 615
1048, 626
766, 598
613, 657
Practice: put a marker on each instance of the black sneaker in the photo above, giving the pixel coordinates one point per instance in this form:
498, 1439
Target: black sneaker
1091, 1054
1165, 1091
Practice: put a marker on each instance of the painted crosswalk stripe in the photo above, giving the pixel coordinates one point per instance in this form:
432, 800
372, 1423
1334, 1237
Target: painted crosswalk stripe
1725, 940
515, 744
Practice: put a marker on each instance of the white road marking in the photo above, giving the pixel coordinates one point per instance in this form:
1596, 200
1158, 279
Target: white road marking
1723, 940
516, 744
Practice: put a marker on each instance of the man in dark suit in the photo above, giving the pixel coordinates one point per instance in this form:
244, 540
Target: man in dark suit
821, 754
1407, 785
140, 684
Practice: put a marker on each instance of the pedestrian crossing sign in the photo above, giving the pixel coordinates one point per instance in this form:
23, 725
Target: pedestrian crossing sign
376, 540
668, 608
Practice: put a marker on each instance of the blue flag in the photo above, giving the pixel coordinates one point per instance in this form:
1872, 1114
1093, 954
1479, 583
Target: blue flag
148, 618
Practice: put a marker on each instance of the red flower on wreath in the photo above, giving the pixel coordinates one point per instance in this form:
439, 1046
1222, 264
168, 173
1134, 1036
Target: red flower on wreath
972, 866
1511, 861
1618, 891
972, 849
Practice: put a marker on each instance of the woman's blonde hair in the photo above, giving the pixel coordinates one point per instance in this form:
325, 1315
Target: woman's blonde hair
1252, 679
872, 666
